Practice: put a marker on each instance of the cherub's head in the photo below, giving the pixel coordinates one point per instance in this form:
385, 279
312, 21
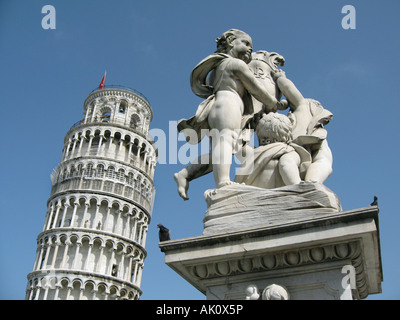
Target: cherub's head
275, 292
274, 127
235, 43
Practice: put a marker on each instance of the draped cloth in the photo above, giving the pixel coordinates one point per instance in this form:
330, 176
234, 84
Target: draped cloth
273, 151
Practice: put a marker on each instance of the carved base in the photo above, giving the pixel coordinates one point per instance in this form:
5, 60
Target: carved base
239, 206
335, 256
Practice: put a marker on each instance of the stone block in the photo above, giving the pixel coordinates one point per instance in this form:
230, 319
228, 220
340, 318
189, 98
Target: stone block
332, 256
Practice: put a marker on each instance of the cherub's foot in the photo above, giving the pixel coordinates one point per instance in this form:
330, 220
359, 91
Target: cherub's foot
309, 181
183, 185
226, 183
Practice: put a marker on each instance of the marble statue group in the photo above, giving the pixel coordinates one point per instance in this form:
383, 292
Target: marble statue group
242, 92
271, 230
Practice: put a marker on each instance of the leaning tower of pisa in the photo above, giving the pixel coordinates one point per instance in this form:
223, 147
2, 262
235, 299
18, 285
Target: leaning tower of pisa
92, 245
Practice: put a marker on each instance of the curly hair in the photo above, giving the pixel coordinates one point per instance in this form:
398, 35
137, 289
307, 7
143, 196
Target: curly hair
222, 42
274, 127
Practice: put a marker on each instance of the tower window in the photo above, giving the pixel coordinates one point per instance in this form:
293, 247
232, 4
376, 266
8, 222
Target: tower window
89, 170
110, 173
130, 179
80, 170
106, 116
114, 270
122, 107
135, 121
100, 171
121, 175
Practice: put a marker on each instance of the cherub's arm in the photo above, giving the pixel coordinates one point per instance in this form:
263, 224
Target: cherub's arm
289, 89
242, 71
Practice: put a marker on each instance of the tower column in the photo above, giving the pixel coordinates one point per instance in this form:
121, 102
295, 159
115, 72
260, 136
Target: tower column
88, 257
83, 222
73, 146
129, 273
56, 293
66, 206
39, 261
90, 144
128, 224
139, 276
108, 217
69, 289
57, 244
99, 263
99, 146
50, 216
144, 235
67, 147
111, 262
30, 293
37, 293
110, 142
74, 262
66, 249
46, 257
96, 216
46, 291
134, 229
135, 271
82, 139
76, 205
54, 223
139, 235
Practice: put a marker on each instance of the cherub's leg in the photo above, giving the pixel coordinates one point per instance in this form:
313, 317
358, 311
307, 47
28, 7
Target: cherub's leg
224, 118
222, 148
321, 167
289, 168
200, 167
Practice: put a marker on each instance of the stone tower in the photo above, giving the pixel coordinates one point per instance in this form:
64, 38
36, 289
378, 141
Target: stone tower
92, 245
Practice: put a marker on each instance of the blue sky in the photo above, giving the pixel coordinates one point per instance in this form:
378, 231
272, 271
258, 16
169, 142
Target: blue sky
152, 46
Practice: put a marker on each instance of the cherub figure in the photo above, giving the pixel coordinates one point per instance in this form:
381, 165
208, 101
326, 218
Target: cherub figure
275, 292
309, 118
278, 161
252, 292
226, 82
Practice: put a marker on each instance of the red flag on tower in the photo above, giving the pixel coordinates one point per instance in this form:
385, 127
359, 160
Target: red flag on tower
101, 86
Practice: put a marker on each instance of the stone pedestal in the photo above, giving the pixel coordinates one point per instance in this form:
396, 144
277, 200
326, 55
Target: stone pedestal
328, 254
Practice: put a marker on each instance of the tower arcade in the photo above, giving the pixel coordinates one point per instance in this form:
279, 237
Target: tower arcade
92, 245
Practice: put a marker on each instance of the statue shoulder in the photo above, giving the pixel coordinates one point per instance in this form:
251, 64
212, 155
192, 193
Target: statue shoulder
199, 74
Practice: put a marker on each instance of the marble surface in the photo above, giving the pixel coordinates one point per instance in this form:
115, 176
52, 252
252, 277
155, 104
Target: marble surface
239, 206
